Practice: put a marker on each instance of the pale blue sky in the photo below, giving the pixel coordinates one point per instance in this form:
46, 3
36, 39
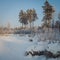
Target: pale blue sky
9, 10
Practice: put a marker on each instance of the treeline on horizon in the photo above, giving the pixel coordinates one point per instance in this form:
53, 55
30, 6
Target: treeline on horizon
30, 16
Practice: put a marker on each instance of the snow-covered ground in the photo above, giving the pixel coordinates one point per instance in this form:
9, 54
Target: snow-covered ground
13, 47
53, 47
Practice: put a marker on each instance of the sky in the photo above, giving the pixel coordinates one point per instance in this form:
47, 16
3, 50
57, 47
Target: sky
9, 10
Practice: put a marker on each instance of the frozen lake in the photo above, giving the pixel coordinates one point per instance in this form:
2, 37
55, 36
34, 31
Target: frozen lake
13, 47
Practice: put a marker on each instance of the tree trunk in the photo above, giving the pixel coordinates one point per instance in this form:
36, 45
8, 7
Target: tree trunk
33, 24
25, 26
22, 25
30, 25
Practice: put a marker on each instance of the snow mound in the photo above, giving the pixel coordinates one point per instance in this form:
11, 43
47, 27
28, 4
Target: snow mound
45, 46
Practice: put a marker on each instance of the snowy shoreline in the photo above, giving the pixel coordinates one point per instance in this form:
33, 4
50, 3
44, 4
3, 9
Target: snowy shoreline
45, 48
17, 44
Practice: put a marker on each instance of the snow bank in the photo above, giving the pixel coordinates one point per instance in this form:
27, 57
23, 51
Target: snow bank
45, 45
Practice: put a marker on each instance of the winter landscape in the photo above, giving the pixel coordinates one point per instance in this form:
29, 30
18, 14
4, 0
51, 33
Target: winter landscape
36, 35
13, 47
